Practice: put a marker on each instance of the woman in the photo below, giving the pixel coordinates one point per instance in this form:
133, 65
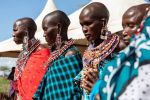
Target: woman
31, 59
121, 75
64, 63
93, 19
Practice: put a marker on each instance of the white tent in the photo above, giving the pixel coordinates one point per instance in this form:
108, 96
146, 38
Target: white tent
9, 45
116, 9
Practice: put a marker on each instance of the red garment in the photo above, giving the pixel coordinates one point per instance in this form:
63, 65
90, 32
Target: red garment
32, 75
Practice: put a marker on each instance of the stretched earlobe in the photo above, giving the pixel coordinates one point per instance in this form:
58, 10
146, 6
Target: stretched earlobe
58, 41
25, 41
103, 34
104, 31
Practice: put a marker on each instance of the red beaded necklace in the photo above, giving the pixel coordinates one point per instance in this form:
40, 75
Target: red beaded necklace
54, 55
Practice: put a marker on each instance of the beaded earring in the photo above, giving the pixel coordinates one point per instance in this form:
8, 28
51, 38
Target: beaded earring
58, 42
25, 41
51, 46
104, 31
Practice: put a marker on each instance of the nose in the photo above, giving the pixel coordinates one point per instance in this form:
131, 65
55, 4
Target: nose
85, 29
126, 31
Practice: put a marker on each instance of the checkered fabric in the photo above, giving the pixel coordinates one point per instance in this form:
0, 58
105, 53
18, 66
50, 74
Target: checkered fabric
57, 83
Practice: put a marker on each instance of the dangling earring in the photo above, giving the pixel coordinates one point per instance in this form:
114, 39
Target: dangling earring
58, 42
102, 36
25, 42
104, 32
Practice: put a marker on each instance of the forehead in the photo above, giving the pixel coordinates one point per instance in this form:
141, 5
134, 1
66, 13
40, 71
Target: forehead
50, 20
91, 13
20, 24
132, 17
87, 15
17, 23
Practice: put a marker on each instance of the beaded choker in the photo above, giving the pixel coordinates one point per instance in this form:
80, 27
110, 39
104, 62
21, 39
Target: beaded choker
93, 57
54, 55
23, 57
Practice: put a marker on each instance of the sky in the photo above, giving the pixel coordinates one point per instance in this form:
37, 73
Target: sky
10, 10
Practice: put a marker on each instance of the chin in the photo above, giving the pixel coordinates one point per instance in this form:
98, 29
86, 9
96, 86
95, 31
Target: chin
89, 40
17, 42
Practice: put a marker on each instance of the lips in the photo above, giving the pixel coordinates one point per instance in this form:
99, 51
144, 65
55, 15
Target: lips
88, 36
17, 41
126, 39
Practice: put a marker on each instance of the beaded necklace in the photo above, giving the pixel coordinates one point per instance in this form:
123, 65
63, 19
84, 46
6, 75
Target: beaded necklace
24, 56
93, 57
54, 55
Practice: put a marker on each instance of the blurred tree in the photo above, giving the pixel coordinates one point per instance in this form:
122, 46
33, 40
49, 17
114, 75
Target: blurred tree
4, 68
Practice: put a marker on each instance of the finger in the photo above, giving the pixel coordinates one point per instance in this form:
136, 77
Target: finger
88, 83
86, 88
97, 97
92, 77
94, 72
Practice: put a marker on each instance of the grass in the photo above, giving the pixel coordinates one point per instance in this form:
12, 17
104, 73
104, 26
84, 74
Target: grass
4, 85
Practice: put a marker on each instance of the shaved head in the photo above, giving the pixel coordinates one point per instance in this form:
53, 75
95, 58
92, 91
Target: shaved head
134, 13
28, 23
23, 27
58, 17
97, 10
55, 23
132, 19
93, 19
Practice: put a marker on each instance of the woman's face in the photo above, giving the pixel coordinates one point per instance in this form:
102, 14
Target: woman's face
130, 25
91, 27
50, 30
18, 32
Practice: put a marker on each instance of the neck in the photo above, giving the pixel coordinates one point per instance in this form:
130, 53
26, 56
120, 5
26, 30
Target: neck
29, 44
56, 46
96, 42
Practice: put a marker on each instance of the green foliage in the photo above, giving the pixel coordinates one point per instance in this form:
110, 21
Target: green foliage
4, 68
4, 85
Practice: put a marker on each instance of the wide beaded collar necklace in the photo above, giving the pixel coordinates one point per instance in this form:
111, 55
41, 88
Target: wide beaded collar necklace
55, 54
24, 56
93, 57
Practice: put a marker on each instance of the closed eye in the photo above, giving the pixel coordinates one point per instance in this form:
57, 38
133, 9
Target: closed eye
45, 28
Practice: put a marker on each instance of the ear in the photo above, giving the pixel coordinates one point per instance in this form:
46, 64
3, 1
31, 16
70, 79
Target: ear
26, 33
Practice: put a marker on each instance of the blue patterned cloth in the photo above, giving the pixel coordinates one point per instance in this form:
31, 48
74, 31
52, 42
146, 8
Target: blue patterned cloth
121, 70
57, 83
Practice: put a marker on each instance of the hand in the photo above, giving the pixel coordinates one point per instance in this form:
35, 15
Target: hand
97, 97
89, 78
